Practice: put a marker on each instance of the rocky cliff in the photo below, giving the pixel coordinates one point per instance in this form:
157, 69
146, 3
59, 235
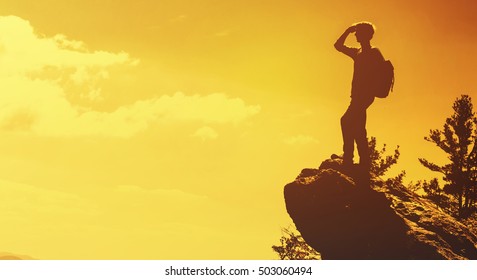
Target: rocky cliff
345, 216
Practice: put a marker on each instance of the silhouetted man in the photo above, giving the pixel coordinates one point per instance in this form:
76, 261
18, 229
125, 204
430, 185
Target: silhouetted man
353, 122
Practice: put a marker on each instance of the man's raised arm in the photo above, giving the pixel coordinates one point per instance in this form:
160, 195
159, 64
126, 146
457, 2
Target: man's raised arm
340, 43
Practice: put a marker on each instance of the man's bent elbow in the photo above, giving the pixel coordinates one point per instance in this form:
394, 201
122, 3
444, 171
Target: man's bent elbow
338, 46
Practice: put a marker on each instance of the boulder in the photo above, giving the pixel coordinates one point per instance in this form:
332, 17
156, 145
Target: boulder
344, 213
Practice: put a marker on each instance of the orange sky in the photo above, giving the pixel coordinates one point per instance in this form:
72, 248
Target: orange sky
167, 129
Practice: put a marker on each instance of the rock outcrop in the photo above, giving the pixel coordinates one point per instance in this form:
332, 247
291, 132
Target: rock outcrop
344, 216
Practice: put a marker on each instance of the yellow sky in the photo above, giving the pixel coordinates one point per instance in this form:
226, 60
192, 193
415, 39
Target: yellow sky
167, 129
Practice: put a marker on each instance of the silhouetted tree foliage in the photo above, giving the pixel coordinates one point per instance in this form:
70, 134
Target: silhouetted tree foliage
458, 140
381, 163
293, 247
433, 191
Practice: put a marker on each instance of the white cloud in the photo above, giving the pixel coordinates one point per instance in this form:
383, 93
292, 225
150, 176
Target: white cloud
129, 120
34, 100
300, 140
206, 133
212, 108
24, 51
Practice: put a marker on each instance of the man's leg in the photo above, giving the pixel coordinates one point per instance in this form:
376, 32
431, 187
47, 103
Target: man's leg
361, 135
347, 127
362, 139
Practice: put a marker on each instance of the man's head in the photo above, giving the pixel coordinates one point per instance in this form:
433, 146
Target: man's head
364, 31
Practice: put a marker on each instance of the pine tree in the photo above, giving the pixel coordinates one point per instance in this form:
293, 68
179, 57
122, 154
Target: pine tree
456, 139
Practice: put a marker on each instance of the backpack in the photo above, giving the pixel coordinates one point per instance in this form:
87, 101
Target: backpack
384, 80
